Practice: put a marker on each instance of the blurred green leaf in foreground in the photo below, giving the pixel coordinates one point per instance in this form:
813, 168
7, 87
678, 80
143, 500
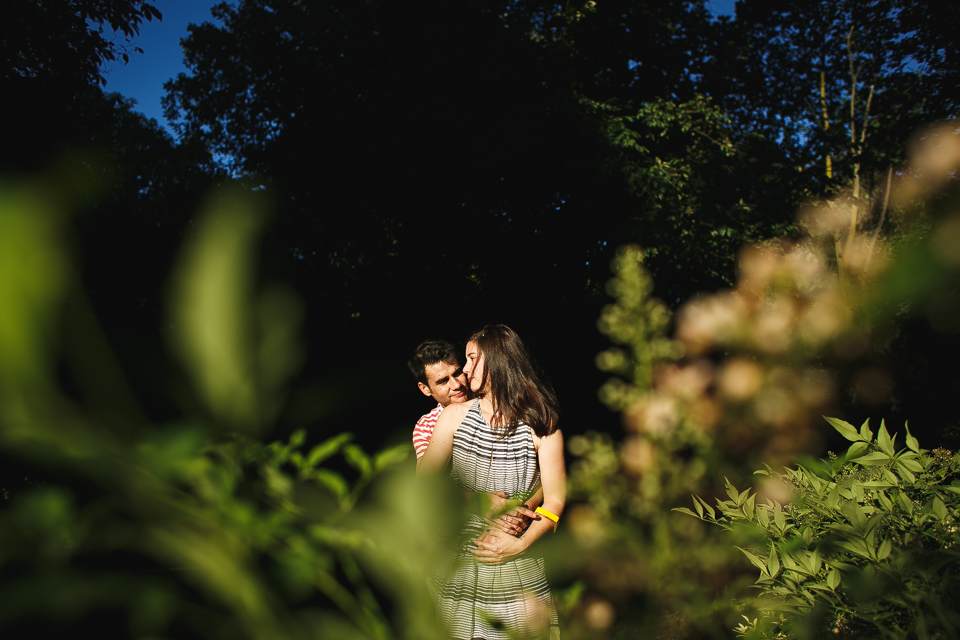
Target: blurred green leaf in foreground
190, 529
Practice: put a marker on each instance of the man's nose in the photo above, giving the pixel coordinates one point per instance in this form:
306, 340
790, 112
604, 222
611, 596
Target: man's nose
455, 382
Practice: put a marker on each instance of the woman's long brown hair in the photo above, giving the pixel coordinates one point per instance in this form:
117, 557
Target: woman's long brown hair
520, 393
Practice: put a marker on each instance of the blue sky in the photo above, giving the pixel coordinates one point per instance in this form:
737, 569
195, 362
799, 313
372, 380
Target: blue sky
143, 78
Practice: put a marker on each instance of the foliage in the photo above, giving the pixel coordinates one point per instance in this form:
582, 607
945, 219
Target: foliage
675, 159
579, 130
739, 378
638, 322
839, 85
384, 135
187, 528
379, 153
69, 42
863, 545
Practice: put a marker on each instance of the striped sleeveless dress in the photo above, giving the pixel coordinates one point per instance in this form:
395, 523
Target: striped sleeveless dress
494, 602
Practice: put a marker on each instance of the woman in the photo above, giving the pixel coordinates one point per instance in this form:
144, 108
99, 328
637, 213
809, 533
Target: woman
505, 441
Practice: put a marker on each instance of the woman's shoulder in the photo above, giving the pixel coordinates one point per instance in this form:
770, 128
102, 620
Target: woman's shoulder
555, 436
457, 410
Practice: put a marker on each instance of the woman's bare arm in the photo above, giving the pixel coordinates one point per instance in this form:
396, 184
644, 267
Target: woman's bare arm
441, 442
493, 548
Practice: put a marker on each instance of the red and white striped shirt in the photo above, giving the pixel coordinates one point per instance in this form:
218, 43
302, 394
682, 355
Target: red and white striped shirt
424, 430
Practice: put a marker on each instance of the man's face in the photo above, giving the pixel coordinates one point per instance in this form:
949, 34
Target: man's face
445, 383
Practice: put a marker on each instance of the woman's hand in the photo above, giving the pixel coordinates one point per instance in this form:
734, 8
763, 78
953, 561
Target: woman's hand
495, 547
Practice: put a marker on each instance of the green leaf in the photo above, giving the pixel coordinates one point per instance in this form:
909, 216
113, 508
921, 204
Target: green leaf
211, 291
687, 512
884, 501
756, 561
278, 482
905, 502
857, 449
833, 498
857, 491
296, 459
865, 431
874, 521
332, 481
845, 429
873, 459
391, 457
791, 563
779, 519
885, 547
905, 473
854, 514
912, 443
939, 509
884, 441
731, 490
888, 475
812, 562
870, 542
910, 464
696, 505
855, 547
708, 508
833, 579
297, 438
773, 563
763, 517
357, 459
326, 449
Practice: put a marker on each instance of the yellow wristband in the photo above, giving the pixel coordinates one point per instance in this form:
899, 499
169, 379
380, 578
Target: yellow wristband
543, 511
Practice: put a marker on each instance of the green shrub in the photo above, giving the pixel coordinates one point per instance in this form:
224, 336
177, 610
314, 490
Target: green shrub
864, 545
192, 528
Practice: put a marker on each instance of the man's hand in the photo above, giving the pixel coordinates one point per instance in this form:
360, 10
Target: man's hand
508, 515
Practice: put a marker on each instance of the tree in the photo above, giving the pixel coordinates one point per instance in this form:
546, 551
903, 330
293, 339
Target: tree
51, 57
132, 187
68, 42
371, 124
838, 85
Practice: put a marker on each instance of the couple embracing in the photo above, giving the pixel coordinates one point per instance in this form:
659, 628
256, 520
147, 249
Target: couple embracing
495, 432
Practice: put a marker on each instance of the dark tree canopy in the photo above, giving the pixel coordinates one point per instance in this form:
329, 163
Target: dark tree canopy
68, 40
848, 80
389, 134
51, 56
436, 166
482, 159
130, 187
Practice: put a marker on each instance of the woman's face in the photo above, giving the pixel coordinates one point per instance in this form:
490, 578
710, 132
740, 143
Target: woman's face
474, 368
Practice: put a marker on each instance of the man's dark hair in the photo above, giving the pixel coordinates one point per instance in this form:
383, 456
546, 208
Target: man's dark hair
430, 352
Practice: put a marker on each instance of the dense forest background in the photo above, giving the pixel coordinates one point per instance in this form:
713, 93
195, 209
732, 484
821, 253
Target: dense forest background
420, 170
430, 169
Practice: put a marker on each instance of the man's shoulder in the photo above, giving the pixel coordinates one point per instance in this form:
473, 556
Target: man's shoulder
430, 418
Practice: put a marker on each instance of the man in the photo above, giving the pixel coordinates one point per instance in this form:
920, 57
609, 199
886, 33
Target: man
439, 375
436, 367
